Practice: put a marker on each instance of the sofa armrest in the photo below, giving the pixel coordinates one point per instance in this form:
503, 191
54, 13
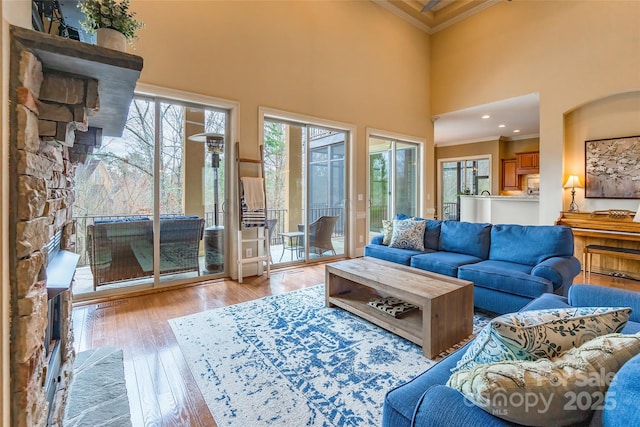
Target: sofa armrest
377, 239
559, 270
600, 296
443, 406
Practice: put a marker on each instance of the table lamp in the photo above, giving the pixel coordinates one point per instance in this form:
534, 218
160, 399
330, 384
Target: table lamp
573, 182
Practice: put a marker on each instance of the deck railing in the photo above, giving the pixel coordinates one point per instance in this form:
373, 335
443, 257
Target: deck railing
82, 222
450, 211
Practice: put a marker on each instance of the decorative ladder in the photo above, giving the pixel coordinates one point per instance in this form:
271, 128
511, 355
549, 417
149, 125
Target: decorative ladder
262, 239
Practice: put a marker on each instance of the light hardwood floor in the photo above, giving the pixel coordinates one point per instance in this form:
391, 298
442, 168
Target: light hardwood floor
161, 389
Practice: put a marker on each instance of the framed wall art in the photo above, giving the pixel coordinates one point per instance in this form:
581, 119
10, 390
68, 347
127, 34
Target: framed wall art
612, 168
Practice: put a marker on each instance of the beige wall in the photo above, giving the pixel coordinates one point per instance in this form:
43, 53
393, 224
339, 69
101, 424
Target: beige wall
611, 117
351, 62
510, 148
571, 52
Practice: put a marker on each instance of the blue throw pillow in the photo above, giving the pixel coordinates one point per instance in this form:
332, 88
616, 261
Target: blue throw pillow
432, 234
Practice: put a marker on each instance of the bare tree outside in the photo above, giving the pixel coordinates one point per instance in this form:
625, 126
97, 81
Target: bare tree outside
274, 163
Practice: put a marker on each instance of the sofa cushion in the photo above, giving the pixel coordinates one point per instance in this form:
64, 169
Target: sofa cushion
399, 256
562, 391
400, 403
141, 228
465, 238
530, 335
621, 402
408, 234
181, 229
125, 219
446, 263
581, 295
377, 239
506, 277
530, 244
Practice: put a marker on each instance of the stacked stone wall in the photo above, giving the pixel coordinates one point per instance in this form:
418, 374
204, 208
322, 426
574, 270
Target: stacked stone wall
48, 107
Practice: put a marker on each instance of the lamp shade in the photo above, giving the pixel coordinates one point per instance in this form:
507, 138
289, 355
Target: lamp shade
637, 217
202, 137
573, 182
213, 141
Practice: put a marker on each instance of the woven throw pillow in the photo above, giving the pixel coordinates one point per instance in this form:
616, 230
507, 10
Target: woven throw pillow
387, 231
408, 234
558, 392
530, 335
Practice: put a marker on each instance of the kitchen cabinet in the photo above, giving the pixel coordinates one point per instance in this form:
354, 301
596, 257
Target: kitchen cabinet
528, 163
510, 179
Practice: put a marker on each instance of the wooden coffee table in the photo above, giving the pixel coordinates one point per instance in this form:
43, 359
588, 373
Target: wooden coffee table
445, 315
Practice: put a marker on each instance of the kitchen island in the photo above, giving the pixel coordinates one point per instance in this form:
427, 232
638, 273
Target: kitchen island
523, 210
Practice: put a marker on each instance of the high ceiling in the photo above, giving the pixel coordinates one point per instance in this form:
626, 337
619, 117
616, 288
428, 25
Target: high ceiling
513, 119
440, 16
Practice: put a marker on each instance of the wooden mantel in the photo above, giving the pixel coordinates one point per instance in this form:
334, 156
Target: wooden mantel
117, 72
607, 228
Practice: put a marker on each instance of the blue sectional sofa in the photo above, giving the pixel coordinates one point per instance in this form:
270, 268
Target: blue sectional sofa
427, 401
510, 265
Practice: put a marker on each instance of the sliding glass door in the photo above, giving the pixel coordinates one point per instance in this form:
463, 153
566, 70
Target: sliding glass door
393, 180
306, 190
144, 202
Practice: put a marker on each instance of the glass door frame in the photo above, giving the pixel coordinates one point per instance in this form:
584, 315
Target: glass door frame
420, 190
439, 179
265, 114
159, 95
187, 100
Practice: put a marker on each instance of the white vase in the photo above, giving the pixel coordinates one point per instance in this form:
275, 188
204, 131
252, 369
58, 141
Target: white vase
110, 38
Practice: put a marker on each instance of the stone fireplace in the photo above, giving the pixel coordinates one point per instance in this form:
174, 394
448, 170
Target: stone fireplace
64, 95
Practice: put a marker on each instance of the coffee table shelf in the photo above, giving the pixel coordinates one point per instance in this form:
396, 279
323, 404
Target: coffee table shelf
356, 301
445, 304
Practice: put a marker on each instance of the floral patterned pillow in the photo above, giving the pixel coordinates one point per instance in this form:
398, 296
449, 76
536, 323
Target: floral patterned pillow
408, 234
535, 334
504, 389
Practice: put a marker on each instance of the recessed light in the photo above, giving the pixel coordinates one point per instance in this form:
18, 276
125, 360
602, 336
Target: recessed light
516, 131
486, 116
502, 126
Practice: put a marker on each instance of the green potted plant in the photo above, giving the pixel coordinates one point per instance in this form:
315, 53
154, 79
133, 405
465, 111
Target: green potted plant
111, 20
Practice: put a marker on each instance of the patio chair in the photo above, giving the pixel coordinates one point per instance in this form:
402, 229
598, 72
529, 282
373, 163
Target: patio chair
320, 232
271, 226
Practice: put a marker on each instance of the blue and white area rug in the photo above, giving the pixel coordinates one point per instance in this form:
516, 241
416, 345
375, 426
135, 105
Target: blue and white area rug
287, 360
